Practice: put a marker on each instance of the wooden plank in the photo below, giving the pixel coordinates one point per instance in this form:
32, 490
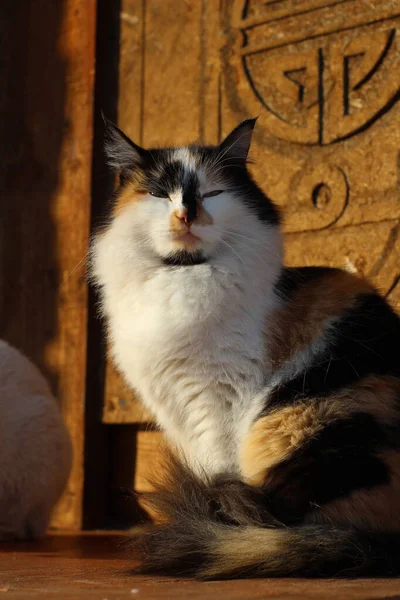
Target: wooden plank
150, 447
210, 59
172, 77
76, 44
97, 566
131, 68
97, 435
46, 115
121, 405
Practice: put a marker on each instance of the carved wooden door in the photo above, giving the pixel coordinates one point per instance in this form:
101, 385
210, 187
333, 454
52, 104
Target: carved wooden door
325, 77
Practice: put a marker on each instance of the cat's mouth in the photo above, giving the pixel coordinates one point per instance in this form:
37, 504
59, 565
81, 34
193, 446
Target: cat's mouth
187, 239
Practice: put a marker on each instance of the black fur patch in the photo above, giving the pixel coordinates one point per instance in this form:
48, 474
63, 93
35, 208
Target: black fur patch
166, 174
365, 342
241, 182
292, 279
183, 258
338, 460
191, 195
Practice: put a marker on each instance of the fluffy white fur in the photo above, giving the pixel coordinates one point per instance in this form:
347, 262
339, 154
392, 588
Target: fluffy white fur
35, 449
191, 340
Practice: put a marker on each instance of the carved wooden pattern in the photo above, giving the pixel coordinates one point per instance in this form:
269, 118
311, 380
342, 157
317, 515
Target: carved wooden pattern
326, 78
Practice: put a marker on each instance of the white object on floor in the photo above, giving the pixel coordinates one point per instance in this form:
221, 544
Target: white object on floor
35, 448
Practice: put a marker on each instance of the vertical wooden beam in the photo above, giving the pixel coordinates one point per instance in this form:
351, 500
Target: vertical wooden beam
172, 75
131, 67
211, 37
71, 213
97, 435
46, 102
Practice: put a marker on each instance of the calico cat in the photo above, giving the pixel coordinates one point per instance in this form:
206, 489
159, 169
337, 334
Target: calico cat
35, 448
280, 386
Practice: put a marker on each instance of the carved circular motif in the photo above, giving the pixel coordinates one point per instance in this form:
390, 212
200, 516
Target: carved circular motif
320, 194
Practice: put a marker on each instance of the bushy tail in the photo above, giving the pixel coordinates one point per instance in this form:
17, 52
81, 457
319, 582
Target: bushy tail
221, 529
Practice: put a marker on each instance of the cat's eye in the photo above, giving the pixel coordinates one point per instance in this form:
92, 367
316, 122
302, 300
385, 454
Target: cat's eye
160, 195
212, 194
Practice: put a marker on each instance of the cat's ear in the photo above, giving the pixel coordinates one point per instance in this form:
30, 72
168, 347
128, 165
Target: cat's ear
121, 152
237, 144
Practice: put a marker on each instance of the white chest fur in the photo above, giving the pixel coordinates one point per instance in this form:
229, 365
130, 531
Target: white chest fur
191, 342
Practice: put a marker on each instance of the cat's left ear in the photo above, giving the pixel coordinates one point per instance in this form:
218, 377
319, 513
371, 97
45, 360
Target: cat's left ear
237, 144
121, 152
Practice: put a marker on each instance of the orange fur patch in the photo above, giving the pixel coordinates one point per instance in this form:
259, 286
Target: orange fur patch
236, 549
275, 437
176, 225
133, 191
302, 319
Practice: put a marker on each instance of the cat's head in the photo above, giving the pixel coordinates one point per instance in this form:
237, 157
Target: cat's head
186, 204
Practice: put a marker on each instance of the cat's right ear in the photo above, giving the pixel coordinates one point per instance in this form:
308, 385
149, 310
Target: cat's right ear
237, 144
121, 152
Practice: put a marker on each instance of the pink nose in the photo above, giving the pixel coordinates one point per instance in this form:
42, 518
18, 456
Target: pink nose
182, 214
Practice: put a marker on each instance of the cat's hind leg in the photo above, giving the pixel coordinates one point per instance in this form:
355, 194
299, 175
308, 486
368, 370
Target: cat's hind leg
312, 454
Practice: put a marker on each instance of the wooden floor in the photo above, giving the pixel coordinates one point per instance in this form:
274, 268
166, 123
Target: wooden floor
97, 567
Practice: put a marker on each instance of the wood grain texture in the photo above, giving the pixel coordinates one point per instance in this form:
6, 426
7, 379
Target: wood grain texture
97, 567
150, 446
131, 68
121, 405
172, 77
211, 40
46, 116
76, 43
